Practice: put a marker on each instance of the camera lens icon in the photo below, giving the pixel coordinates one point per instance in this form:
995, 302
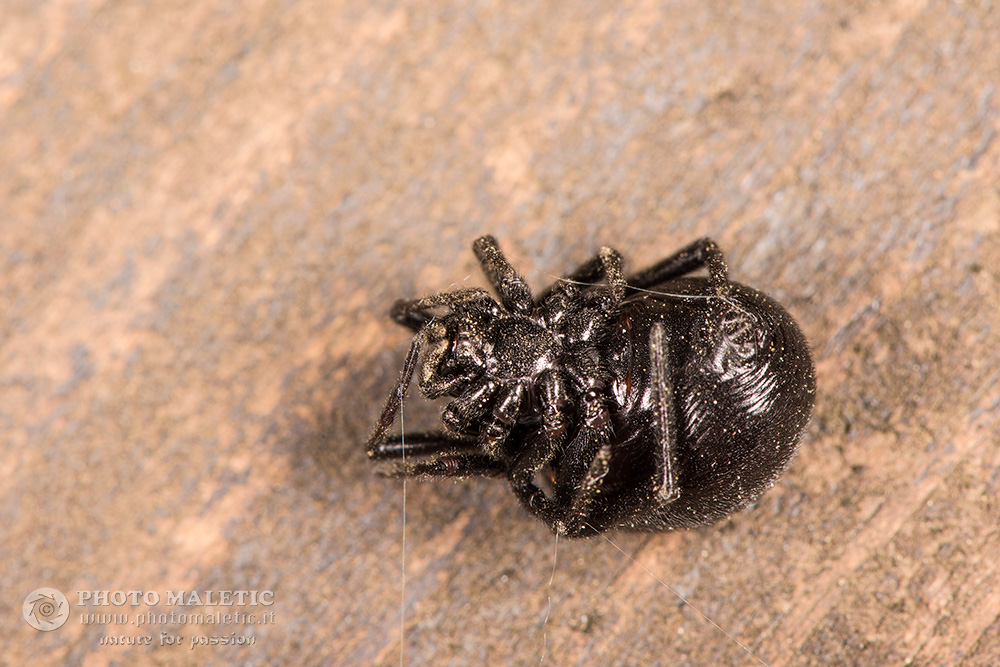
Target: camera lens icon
46, 609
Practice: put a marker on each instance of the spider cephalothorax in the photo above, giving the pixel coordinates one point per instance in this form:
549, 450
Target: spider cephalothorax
644, 408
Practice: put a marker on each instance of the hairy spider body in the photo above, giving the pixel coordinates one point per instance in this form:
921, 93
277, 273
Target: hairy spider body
651, 402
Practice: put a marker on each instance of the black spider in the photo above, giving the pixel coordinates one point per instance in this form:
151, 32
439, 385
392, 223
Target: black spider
651, 402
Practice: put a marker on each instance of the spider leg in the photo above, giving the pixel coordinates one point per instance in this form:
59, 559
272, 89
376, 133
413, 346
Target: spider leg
584, 465
665, 487
606, 263
578, 512
415, 313
666, 419
380, 446
421, 444
515, 295
469, 406
445, 464
438, 454
377, 439
445, 454
703, 252
542, 447
504, 416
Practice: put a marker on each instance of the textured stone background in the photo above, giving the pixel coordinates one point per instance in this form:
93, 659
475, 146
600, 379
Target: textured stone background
207, 208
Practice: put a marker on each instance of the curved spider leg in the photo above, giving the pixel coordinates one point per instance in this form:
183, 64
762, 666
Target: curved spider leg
607, 263
504, 416
515, 295
415, 313
469, 406
703, 252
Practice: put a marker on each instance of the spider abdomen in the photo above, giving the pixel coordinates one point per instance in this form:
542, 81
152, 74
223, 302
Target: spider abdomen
739, 402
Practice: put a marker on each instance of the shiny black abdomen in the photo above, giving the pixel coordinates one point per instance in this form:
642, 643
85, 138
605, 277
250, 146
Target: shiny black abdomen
743, 386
